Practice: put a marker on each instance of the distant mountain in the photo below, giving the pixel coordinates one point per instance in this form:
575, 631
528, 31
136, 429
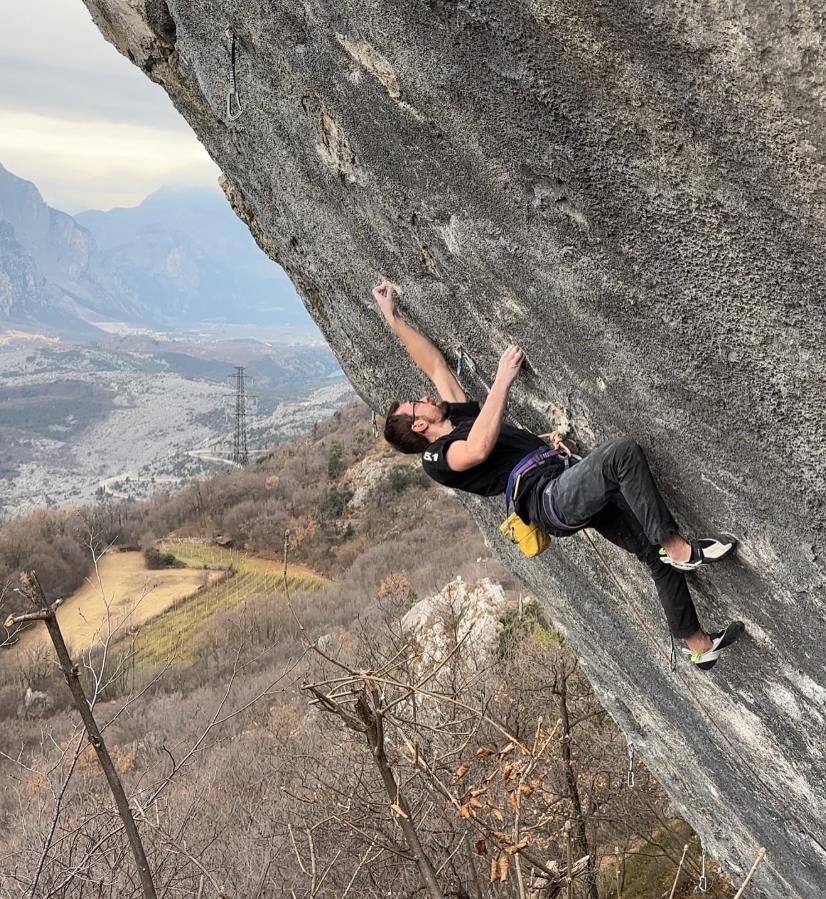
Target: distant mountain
187, 257
50, 271
180, 257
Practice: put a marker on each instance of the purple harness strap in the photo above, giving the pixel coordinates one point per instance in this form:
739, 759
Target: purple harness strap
553, 516
523, 465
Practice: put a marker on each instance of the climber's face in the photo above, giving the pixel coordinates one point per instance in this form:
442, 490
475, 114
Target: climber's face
424, 411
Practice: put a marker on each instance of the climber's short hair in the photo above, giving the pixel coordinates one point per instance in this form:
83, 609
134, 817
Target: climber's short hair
399, 433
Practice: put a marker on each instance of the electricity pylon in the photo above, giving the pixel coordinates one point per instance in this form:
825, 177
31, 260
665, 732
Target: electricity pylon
239, 445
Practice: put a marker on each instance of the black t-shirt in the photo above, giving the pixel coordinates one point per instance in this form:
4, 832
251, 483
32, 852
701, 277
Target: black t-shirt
490, 477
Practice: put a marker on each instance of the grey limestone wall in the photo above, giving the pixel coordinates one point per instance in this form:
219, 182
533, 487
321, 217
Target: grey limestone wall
635, 193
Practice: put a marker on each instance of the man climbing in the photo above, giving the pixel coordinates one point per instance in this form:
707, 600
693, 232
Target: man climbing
611, 490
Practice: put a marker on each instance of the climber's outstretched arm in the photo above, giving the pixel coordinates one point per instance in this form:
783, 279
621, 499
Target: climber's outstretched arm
429, 359
464, 454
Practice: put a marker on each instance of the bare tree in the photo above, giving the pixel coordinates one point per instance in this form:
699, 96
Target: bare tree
31, 589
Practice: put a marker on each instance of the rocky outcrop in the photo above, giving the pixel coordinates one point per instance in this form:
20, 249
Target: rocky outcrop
635, 193
463, 614
21, 285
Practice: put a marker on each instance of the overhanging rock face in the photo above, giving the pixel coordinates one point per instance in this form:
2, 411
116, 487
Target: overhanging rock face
635, 193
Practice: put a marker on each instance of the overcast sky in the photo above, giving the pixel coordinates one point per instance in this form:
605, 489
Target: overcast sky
78, 119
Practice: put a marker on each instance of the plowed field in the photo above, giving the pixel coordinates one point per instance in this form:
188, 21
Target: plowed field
124, 595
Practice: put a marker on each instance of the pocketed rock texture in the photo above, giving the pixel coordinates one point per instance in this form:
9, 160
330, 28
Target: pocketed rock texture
635, 193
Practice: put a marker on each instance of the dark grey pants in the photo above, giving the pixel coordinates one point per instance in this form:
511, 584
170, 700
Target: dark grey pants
612, 490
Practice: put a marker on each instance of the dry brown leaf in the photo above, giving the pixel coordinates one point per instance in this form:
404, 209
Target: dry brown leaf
504, 867
477, 791
465, 811
517, 847
398, 810
526, 791
460, 772
483, 752
501, 835
497, 814
481, 847
8, 624
513, 805
510, 747
494, 869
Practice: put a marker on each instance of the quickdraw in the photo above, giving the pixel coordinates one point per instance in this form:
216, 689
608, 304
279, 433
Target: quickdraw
234, 109
702, 883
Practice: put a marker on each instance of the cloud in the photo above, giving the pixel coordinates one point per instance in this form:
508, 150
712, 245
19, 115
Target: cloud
78, 165
79, 120
84, 94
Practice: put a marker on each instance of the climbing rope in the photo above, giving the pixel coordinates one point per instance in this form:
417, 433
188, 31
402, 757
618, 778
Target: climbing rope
234, 109
465, 360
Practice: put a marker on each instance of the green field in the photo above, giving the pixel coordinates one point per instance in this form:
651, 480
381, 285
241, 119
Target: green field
173, 635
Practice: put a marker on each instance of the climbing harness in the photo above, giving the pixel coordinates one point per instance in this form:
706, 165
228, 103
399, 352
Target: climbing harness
464, 359
702, 883
234, 109
529, 539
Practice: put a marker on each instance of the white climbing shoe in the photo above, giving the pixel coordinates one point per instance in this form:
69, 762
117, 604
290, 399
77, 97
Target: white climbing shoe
702, 553
719, 641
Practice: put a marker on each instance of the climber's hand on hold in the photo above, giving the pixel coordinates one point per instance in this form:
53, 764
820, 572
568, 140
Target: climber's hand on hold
556, 440
386, 295
510, 363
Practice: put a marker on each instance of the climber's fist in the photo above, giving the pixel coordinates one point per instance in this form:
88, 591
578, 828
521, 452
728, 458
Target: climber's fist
385, 294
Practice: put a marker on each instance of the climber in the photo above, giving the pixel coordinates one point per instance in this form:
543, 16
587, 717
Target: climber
611, 490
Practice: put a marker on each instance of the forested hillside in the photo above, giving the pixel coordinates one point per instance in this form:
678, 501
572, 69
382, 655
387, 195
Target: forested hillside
257, 745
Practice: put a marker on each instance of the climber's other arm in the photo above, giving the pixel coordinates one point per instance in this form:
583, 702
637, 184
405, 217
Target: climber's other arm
428, 358
464, 454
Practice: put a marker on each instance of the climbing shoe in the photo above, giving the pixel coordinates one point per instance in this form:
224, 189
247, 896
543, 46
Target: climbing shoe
702, 553
719, 641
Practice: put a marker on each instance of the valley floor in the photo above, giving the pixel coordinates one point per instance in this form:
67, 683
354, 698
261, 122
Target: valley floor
83, 423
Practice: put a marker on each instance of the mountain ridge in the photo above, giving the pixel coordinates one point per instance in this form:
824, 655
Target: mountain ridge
179, 257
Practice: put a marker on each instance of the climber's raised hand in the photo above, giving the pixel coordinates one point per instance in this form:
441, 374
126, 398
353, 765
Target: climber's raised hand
386, 295
510, 362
